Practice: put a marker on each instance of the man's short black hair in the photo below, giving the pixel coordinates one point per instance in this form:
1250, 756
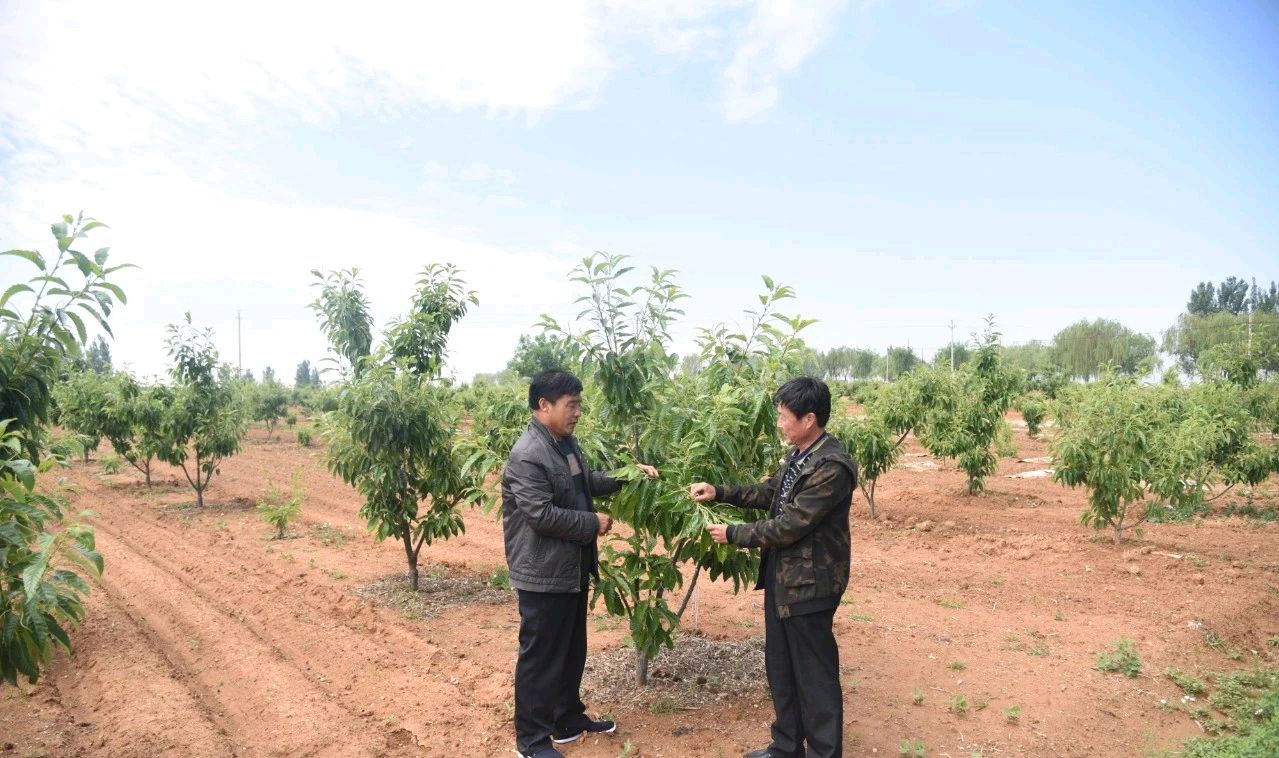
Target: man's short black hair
804, 395
552, 384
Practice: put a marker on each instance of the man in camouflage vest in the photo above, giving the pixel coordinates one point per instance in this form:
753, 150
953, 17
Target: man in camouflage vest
803, 570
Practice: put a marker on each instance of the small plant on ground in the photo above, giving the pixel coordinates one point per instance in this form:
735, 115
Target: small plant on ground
279, 511
1187, 683
111, 464
501, 578
952, 604
917, 697
1219, 644
1122, 659
957, 665
958, 705
913, 748
1039, 650
1012, 714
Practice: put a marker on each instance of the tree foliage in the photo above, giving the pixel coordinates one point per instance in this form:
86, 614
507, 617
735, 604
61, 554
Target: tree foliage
534, 355
717, 424
207, 420
1084, 348
269, 401
346, 318
393, 434
1136, 448
43, 558
967, 414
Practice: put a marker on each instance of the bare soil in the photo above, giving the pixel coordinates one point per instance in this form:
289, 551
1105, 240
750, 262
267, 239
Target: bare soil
206, 637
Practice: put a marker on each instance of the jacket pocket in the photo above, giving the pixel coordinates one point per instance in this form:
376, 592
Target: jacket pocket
796, 569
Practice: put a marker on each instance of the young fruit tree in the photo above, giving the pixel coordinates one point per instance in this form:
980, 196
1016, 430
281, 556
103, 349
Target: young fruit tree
43, 557
715, 425
892, 413
968, 415
1137, 448
81, 403
270, 402
207, 420
394, 434
135, 426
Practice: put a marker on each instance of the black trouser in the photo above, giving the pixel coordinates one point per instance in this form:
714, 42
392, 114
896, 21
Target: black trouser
548, 673
802, 661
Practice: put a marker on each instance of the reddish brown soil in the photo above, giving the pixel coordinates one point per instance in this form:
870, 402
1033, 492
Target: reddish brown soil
205, 637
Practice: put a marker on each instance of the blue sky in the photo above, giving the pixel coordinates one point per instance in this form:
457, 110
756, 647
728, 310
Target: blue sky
901, 164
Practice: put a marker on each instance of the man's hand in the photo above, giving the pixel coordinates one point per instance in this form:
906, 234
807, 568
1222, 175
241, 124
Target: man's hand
650, 471
719, 532
701, 492
606, 523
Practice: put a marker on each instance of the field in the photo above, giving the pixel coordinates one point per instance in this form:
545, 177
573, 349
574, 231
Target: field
207, 637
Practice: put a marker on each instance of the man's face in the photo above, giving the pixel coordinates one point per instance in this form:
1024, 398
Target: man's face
562, 415
795, 431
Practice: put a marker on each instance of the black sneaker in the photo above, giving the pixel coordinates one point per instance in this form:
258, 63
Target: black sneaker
591, 727
546, 752
766, 752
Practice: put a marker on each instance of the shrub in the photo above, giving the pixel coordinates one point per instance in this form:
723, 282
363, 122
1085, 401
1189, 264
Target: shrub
1122, 659
279, 511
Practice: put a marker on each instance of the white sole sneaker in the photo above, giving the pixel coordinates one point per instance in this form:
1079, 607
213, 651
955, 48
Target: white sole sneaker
568, 740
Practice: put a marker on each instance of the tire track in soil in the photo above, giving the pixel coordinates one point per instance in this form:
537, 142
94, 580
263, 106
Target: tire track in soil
380, 665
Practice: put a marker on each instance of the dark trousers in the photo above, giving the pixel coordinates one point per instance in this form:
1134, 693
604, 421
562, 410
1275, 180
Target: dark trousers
802, 661
548, 673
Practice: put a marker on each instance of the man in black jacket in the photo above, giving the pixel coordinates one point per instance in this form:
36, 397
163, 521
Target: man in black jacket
803, 570
550, 527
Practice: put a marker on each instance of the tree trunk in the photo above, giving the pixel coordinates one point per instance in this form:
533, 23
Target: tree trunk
689, 595
870, 496
147, 471
411, 554
641, 668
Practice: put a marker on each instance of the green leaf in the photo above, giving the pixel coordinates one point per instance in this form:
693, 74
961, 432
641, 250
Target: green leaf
113, 289
79, 326
30, 255
15, 289
82, 262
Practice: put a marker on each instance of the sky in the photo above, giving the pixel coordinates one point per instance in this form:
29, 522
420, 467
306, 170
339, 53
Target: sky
902, 165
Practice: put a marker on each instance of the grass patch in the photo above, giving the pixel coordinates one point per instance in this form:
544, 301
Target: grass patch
1187, 683
1122, 658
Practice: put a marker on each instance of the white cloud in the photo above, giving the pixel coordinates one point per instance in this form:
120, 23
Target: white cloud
140, 112
781, 35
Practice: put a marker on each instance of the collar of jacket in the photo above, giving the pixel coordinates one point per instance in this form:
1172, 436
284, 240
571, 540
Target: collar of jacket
541, 430
823, 450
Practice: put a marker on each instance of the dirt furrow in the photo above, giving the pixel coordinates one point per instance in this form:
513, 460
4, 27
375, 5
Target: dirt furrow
262, 701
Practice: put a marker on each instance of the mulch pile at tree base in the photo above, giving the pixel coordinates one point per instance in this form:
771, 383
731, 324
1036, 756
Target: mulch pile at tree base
435, 594
699, 671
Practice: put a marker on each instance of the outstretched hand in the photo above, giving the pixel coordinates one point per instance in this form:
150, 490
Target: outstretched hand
718, 532
649, 471
701, 492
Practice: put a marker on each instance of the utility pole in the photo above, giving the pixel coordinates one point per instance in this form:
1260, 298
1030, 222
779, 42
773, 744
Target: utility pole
239, 340
952, 346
